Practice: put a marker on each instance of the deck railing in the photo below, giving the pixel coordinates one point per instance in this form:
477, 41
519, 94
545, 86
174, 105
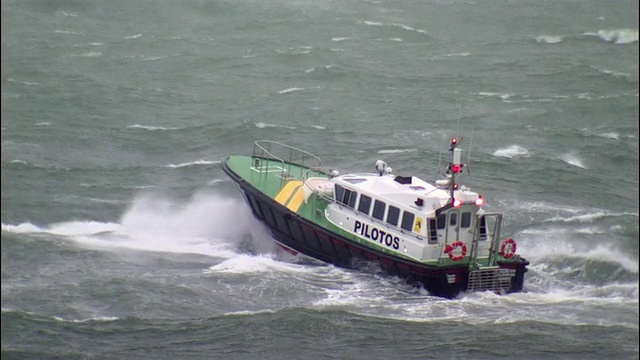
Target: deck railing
289, 162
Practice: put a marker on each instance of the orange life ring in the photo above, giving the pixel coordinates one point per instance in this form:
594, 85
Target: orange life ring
450, 247
508, 248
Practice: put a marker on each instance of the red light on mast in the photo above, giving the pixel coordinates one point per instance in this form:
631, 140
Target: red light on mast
456, 168
454, 141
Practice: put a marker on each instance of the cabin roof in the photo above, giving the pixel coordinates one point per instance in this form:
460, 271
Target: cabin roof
397, 189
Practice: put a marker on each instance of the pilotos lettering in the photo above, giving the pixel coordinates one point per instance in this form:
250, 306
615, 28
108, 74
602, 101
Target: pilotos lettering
377, 235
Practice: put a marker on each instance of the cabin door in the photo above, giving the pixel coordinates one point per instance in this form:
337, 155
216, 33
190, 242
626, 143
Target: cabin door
453, 226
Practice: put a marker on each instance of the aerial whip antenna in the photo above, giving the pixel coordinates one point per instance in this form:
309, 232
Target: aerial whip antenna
469, 158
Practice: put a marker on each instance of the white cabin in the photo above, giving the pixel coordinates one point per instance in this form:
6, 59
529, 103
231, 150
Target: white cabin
406, 214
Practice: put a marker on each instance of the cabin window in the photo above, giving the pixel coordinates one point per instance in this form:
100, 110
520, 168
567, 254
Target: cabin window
433, 232
352, 198
393, 215
346, 196
378, 210
407, 221
365, 204
339, 193
453, 218
442, 221
483, 228
465, 220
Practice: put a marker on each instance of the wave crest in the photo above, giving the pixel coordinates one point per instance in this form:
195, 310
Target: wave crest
512, 151
617, 36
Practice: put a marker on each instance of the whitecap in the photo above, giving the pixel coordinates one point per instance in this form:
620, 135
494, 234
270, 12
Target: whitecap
494, 94
244, 263
549, 39
396, 151
263, 125
574, 160
544, 207
216, 181
90, 54
17, 161
285, 91
72, 228
152, 58
617, 36
601, 253
611, 135
192, 163
512, 151
66, 32
249, 312
95, 318
462, 54
152, 128
614, 73
544, 231
22, 82
23, 228
401, 26
133, 36
591, 230
340, 38
589, 217
300, 50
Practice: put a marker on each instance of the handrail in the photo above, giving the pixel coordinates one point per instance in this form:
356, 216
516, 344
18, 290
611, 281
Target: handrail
494, 234
285, 156
292, 151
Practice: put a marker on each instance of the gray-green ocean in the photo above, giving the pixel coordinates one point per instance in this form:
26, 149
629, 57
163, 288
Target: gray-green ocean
123, 239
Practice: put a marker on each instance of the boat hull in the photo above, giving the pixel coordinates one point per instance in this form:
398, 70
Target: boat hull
301, 235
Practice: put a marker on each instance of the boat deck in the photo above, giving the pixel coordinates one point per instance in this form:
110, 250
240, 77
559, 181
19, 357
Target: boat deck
272, 177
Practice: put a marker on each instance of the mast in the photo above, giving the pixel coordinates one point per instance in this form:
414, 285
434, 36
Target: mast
455, 166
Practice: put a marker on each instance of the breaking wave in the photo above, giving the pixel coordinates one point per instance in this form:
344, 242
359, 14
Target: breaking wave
572, 159
512, 152
193, 163
616, 36
152, 128
207, 224
549, 39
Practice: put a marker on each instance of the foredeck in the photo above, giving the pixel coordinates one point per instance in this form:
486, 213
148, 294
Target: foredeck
274, 166
268, 175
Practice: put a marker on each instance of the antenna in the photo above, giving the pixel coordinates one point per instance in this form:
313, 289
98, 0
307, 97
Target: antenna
439, 160
459, 119
469, 158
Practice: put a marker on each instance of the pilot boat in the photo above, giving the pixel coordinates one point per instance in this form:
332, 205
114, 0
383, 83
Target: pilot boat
436, 235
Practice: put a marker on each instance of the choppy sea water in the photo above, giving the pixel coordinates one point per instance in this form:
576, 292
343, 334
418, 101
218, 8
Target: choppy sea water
123, 239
